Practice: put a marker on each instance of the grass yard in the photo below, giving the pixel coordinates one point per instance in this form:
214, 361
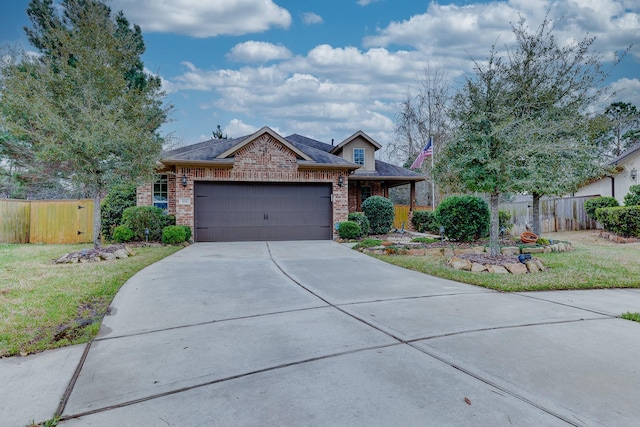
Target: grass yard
595, 263
45, 305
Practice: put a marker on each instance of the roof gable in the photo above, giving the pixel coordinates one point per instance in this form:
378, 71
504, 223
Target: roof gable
359, 134
265, 130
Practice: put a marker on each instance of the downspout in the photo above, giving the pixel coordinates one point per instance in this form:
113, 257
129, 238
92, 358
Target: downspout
613, 187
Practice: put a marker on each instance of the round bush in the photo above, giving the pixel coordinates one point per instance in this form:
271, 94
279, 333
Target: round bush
116, 201
380, 212
425, 222
504, 220
591, 205
187, 231
633, 197
349, 230
122, 234
465, 218
139, 218
173, 234
362, 221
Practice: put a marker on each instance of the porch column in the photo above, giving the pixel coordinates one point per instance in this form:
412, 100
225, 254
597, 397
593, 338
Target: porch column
412, 196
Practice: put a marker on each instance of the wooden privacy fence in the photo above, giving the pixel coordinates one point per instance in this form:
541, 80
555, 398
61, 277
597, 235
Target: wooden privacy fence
559, 214
46, 221
402, 215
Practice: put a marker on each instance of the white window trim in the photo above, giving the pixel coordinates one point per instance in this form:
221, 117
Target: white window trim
364, 156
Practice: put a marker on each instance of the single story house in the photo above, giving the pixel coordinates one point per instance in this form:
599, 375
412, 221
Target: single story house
617, 184
267, 187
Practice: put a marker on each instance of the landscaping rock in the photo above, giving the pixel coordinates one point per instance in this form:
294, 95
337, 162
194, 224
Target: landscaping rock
497, 269
460, 263
437, 252
121, 254
516, 268
510, 250
532, 266
417, 252
533, 250
464, 251
478, 268
448, 253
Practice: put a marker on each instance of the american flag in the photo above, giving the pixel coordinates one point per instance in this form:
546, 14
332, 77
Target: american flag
427, 151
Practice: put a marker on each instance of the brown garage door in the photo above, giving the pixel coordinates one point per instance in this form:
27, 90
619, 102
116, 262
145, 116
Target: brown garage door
241, 211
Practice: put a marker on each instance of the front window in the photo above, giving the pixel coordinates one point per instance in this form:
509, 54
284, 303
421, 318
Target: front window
365, 193
161, 192
358, 156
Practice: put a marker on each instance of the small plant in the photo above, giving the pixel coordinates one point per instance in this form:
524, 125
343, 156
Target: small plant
380, 213
424, 240
173, 234
542, 241
362, 220
122, 234
591, 205
633, 197
349, 230
504, 220
631, 316
464, 218
368, 243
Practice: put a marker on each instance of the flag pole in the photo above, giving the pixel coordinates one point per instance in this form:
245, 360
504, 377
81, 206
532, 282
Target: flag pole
433, 183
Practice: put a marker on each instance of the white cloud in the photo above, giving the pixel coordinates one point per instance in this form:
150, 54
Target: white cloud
626, 90
311, 18
366, 2
258, 52
199, 18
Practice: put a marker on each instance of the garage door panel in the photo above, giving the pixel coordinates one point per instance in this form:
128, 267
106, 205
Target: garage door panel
230, 211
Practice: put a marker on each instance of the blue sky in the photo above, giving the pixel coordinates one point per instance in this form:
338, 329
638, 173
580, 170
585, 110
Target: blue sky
328, 68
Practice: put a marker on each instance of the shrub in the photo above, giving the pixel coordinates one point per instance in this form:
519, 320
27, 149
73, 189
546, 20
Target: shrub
633, 197
424, 240
380, 212
349, 230
542, 241
116, 201
465, 218
173, 234
621, 220
425, 222
122, 234
187, 232
139, 218
591, 205
362, 221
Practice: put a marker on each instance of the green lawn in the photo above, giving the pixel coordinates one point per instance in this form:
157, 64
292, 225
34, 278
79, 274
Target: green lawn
45, 305
595, 263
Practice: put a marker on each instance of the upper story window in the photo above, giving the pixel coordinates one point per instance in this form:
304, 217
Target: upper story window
358, 156
161, 193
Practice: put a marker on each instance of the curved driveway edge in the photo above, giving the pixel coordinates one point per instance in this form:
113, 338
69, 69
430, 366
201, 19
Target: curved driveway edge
313, 333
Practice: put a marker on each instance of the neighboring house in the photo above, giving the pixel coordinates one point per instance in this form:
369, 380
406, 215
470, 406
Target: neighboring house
267, 187
617, 184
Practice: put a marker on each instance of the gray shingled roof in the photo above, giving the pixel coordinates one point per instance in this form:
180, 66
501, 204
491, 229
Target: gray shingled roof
316, 150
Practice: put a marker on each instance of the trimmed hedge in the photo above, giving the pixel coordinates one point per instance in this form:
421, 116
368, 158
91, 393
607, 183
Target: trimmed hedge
174, 234
621, 220
465, 218
591, 205
349, 230
633, 197
362, 221
425, 222
380, 213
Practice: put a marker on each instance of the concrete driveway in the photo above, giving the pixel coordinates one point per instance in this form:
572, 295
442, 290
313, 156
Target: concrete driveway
314, 333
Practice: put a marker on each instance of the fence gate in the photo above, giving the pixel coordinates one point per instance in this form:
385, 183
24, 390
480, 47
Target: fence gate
61, 221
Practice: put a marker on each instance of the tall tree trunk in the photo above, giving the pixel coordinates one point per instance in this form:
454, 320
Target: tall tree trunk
96, 221
537, 229
494, 244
